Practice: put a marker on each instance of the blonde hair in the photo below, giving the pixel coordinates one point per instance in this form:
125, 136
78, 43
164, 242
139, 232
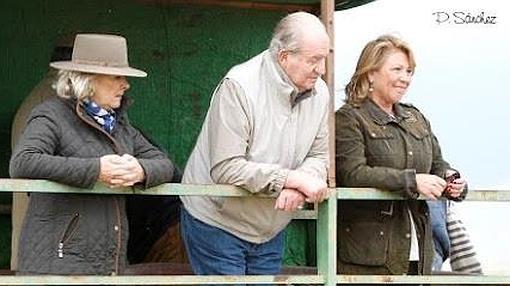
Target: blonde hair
371, 59
74, 84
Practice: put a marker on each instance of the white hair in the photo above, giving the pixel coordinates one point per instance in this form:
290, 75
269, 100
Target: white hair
73, 84
288, 33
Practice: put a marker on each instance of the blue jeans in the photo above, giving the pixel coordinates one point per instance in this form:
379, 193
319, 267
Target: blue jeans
213, 251
438, 210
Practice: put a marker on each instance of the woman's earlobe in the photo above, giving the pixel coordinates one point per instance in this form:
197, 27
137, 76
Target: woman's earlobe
370, 77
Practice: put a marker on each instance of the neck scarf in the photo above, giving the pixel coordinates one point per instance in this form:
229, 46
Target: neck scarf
103, 117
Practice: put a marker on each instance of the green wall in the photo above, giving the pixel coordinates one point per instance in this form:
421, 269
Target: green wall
185, 50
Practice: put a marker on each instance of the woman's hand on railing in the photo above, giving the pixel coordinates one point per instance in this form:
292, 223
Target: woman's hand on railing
456, 187
120, 171
131, 172
431, 186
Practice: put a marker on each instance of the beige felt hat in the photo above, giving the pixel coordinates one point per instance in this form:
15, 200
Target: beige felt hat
99, 53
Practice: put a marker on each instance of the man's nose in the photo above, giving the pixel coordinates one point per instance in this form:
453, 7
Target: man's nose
320, 68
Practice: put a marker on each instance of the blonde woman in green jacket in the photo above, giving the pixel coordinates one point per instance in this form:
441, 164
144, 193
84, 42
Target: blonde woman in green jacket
383, 143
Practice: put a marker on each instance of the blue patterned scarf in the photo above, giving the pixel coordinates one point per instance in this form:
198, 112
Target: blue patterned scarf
101, 116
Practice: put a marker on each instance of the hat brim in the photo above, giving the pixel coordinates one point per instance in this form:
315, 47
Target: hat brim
125, 71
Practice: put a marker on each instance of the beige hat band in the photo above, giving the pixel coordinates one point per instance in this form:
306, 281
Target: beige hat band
100, 63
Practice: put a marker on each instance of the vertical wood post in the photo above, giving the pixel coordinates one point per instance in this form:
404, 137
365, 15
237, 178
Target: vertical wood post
327, 16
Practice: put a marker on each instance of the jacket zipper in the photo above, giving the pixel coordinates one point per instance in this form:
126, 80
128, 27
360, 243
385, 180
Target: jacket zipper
119, 236
119, 151
70, 229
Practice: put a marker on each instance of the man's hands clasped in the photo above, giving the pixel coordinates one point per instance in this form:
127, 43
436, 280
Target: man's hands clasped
300, 188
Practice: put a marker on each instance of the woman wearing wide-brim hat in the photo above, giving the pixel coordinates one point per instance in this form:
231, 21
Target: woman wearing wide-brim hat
79, 138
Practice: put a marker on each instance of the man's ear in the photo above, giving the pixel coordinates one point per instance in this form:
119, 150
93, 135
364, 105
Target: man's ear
282, 57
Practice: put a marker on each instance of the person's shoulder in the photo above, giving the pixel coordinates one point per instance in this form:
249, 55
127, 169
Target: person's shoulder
409, 107
243, 75
348, 107
412, 110
52, 102
349, 117
347, 110
51, 106
246, 66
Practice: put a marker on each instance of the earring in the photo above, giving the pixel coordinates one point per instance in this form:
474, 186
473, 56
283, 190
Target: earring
370, 85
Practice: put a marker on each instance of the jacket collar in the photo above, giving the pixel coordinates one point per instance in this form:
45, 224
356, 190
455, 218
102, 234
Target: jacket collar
380, 117
286, 88
126, 102
121, 117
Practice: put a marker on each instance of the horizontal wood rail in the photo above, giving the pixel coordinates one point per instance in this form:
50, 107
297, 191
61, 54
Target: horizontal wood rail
44, 186
326, 238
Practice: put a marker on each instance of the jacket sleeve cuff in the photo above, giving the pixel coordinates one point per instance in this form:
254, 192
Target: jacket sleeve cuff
278, 182
410, 189
156, 171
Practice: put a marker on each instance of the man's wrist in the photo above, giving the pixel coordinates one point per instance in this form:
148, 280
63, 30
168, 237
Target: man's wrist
278, 181
292, 181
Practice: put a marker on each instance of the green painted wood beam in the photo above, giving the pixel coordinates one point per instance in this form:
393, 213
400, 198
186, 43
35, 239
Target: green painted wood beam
159, 280
375, 194
250, 279
326, 240
44, 186
427, 279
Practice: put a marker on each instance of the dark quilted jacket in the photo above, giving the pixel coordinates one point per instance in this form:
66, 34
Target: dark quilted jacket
77, 233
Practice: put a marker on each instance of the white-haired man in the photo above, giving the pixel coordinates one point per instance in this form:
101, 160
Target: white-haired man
265, 131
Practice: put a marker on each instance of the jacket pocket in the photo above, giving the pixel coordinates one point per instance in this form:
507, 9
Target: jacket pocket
380, 142
363, 243
67, 234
